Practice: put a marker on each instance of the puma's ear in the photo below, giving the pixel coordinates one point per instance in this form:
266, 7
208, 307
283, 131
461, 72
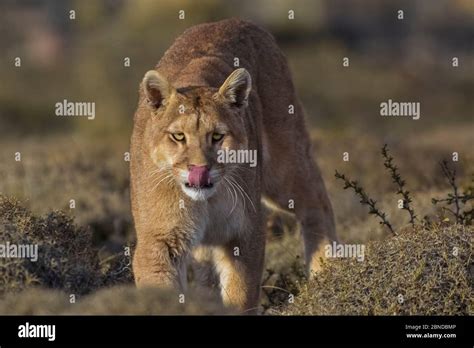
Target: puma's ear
237, 87
157, 89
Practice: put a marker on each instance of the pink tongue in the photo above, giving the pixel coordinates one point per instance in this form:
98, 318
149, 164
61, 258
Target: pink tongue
198, 176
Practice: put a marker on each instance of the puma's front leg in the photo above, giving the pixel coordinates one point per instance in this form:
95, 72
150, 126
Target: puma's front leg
240, 267
160, 263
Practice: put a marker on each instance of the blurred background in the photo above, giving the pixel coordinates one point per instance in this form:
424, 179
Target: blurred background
82, 59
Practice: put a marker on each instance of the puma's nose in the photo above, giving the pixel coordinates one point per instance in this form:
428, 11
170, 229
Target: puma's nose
199, 176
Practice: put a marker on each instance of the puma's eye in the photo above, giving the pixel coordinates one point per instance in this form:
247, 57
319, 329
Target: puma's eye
178, 136
217, 136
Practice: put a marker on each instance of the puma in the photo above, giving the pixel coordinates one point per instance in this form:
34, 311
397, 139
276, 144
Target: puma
192, 106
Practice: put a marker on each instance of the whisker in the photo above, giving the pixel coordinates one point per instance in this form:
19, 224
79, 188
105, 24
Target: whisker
230, 194
170, 180
244, 192
158, 170
166, 177
158, 176
238, 189
242, 168
235, 202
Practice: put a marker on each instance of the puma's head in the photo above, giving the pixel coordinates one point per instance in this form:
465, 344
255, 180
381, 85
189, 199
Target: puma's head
187, 128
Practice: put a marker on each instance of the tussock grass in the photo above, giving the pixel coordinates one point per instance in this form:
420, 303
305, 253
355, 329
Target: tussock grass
65, 258
426, 271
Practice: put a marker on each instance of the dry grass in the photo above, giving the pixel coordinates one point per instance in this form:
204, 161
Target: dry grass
427, 271
119, 300
65, 261
85, 255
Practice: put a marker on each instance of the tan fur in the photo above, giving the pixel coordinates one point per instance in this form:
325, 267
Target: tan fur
250, 105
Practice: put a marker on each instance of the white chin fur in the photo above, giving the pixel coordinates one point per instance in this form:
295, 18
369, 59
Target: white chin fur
198, 194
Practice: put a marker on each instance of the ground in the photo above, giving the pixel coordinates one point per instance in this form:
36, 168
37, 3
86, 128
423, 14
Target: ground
415, 272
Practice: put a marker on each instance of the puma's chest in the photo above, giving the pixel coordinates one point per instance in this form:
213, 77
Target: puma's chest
225, 220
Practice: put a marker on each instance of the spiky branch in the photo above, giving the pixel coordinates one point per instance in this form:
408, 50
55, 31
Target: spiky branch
397, 179
365, 200
454, 197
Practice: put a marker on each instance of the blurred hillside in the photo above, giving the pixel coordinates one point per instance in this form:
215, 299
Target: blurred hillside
82, 59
